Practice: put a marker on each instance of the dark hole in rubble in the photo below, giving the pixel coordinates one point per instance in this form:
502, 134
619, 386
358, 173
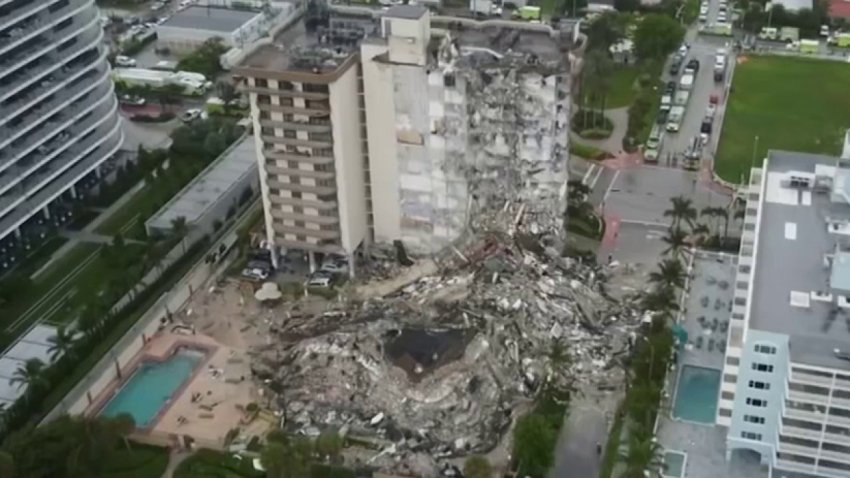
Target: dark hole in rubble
420, 351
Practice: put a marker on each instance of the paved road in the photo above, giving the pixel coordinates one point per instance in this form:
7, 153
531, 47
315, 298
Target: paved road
586, 426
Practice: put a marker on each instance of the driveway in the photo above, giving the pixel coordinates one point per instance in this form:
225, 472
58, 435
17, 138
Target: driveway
585, 427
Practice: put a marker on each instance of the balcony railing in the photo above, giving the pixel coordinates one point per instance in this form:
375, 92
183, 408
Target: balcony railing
93, 151
52, 62
307, 218
301, 158
104, 111
307, 232
297, 125
22, 12
44, 21
68, 111
321, 205
302, 173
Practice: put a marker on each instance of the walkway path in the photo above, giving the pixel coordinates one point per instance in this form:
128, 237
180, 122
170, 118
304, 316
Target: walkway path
88, 236
90, 227
585, 429
613, 144
174, 459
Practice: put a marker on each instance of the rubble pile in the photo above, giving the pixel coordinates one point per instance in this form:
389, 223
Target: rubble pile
441, 367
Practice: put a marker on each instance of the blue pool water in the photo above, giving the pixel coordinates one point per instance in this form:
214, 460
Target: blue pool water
674, 461
151, 386
696, 394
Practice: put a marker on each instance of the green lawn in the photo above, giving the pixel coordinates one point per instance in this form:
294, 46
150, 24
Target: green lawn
794, 104
214, 464
623, 87
140, 461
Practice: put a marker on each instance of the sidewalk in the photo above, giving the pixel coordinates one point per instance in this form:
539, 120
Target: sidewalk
613, 144
586, 426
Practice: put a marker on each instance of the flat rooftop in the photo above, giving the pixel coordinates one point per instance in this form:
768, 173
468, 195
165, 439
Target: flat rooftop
318, 49
218, 19
792, 289
209, 186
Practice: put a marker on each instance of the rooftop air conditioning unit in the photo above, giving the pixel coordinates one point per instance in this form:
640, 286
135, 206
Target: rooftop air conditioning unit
800, 182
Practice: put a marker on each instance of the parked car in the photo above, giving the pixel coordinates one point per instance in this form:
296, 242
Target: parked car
676, 65
190, 115
692, 66
125, 61
320, 280
132, 100
670, 87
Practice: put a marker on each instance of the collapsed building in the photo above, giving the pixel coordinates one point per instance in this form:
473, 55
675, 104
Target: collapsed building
442, 366
398, 127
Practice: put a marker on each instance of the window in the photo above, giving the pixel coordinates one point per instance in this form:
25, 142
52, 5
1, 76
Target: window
754, 419
725, 412
729, 378
759, 385
765, 349
762, 367
756, 402
732, 361
751, 436
727, 395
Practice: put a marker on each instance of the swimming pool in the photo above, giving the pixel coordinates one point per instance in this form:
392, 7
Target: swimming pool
674, 464
152, 385
696, 394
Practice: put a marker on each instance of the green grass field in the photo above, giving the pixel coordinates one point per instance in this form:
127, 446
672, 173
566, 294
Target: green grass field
794, 104
623, 87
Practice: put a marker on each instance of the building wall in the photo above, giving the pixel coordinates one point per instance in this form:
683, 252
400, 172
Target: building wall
383, 159
348, 160
760, 394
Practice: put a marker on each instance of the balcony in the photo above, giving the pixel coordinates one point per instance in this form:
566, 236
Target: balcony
59, 117
799, 396
297, 125
828, 471
310, 218
810, 379
53, 61
301, 173
24, 167
307, 232
795, 449
74, 150
804, 415
93, 151
832, 455
301, 158
304, 188
28, 9
320, 205
293, 110
789, 465
52, 84
799, 432
304, 143
307, 95
309, 246
42, 45
44, 21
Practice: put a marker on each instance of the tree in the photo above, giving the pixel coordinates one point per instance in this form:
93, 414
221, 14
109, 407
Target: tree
656, 36
534, 437
661, 299
180, 230
7, 465
676, 241
31, 374
604, 31
205, 59
228, 95
644, 454
122, 425
682, 209
62, 343
477, 467
670, 273
597, 72
328, 446
287, 458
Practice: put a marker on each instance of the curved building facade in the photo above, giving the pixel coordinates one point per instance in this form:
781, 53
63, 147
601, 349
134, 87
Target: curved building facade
58, 111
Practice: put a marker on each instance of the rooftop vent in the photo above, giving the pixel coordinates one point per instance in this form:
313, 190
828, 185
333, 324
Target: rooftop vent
799, 299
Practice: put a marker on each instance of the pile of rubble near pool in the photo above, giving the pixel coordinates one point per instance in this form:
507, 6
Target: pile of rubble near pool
441, 367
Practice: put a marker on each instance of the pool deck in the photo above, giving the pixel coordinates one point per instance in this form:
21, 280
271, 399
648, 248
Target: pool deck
221, 383
705, 444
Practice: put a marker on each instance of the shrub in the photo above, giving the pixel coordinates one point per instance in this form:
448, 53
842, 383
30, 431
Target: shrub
161, 118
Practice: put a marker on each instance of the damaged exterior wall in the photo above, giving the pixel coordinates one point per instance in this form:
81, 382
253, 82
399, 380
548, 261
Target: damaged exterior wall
473, 127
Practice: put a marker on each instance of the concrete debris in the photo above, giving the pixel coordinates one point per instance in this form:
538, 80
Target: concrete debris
441, 366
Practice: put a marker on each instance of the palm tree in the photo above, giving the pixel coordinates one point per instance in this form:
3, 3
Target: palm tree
711, 212
122, 425
682, 209
661, 299
228, 94
30, 373
7, 465
670, 273
62, 343
676, 242
180, 230
643, 455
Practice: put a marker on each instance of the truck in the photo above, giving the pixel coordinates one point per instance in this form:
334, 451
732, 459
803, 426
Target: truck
720, 65
666, 99
809, 46
192, 83
840, 39
686, 82
693, 154
681, 98
484, 7
528, 12
789, 34
674, 119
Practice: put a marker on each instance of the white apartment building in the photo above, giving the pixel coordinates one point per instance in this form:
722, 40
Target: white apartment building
409, 127
58, 111
785, 391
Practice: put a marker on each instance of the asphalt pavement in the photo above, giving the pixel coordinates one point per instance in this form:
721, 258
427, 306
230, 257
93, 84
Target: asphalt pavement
585, 428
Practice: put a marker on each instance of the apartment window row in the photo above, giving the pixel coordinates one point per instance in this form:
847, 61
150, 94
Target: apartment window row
765, 349
734, 361
806, 460
751, 436
756, 402
754, 419
759, 385
725, 412
762, 367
